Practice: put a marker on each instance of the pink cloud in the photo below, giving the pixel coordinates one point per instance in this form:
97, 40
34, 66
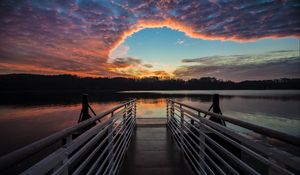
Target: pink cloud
118, 52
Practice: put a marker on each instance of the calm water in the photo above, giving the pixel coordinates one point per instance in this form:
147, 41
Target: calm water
24, 120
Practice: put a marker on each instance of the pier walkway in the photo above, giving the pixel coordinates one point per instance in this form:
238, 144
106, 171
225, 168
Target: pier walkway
187, 141
153, 152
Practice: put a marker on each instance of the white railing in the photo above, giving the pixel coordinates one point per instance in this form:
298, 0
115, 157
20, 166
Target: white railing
212, 148
89, 147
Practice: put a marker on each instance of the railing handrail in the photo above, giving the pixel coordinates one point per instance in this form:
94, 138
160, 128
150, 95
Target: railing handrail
18, 155
259, 129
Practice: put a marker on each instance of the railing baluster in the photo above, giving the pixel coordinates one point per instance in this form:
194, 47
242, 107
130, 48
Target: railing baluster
68, 141
124, 116
167, 110
181, 126
110, 140
201, 146
135, 110
172, 109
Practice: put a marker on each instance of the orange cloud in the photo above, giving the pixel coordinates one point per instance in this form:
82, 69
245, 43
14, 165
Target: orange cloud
188, 29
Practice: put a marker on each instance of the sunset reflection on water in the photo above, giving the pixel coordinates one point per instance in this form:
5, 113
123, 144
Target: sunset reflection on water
23, 124
151, 108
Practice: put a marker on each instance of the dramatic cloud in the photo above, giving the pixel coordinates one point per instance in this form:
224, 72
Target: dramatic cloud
133, 67
125, 62
269, 65
78, 37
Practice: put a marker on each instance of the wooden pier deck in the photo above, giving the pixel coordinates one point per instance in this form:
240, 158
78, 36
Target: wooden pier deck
153, 152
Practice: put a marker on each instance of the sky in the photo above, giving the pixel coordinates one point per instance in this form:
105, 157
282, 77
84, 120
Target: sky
230, 40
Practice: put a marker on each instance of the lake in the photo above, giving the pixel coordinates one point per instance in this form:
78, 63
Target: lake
26, 118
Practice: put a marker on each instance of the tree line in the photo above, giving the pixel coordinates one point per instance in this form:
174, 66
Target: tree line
69, 83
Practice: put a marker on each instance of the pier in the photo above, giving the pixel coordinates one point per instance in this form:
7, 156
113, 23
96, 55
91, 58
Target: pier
188, 140
153, 152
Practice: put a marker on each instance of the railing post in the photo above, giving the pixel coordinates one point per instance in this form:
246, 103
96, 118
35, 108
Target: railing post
172, 112
168, 111
66, 142
201, 145
125, 113
134, 111
133, 118
110, 141
181, 126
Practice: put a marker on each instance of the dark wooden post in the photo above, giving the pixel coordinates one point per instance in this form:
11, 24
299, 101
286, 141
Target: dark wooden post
216, 109
216, 104
84, 115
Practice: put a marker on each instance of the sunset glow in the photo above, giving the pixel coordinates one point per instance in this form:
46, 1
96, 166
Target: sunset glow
89, 38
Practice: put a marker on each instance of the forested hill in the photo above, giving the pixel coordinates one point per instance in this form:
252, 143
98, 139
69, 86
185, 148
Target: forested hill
64, 83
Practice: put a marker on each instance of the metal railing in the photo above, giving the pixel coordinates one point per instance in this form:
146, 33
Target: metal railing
98, 149
211, 148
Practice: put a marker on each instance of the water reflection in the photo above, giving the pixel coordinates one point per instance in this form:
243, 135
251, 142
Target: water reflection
279, 115
151, 108
26, 119
20, 126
